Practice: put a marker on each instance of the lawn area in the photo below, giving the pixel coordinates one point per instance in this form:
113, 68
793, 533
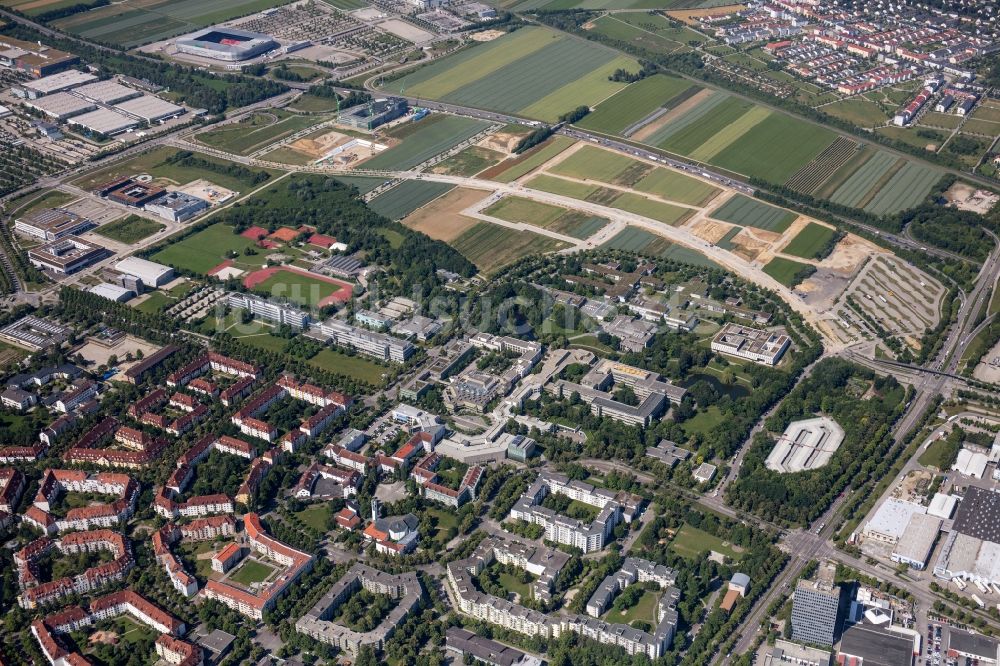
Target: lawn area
252, 571
316, 516
786, 271
689, 541
128, 630
510, 170
939, 454
858, 111
257, 131
204, 250
429, 137
811, 241
35, 200
131, 229
357, 367
313, 104
264, 341
703, 421
154, 163
9, 354
749, 212
644, 610
155, 303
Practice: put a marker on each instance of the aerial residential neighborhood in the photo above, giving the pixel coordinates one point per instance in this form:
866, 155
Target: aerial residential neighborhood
506, 332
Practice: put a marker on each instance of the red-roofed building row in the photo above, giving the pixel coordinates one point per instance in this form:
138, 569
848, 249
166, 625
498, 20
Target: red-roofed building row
143, 449
12, 454
202, 529
12, 484
212, 361
255, 605
35, 593
56, 482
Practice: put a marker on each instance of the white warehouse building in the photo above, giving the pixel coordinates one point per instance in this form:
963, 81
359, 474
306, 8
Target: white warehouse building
151, 273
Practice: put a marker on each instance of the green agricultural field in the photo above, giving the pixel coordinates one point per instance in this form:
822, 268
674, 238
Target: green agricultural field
634, 239
726, 242
517, 209
259, 131
785, 271
775, 148
858, 184
357, 367
699, 129
749, 212
675, 186
431, 136
347, 5
618, 113
252, 571
131, 229
613, 27
204, 250
364, 184
469, 162
705, 108
566, 188
533, 71
656, 210
809, 242
592, 163
491, 247
406, 197
904, 190
530, 160
134, 22
730, 134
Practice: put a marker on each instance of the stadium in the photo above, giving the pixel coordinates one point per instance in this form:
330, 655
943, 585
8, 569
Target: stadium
226, 44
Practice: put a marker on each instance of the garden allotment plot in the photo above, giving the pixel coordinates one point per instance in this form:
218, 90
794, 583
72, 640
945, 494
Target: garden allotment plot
534, 72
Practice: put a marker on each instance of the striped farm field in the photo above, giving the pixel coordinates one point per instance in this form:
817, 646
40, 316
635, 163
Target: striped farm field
634, 239
533, 71
406, 197
491, 247
441, 132
705, 107
512, 169
861, 181
749, 212
904, 190
730, 134
633, 103
555, 218
810, 177
775, 148
705, 127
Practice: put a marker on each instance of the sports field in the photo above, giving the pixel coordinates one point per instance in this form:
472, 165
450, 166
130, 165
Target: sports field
786, 271
535, 72
298, 286
749, 212
491, 247
432, 136
134, 22
632, 104
809, 242
204, 250
406, 197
